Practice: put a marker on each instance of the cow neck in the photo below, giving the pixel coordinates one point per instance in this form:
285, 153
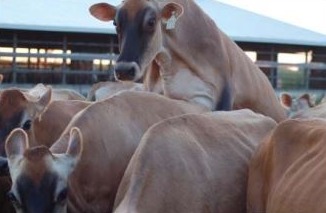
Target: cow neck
187, 38
61, 145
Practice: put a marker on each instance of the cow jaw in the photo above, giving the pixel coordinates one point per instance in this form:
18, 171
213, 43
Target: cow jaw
40, 178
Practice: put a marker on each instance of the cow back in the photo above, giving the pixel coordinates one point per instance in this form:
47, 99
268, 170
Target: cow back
287, 168
193, 163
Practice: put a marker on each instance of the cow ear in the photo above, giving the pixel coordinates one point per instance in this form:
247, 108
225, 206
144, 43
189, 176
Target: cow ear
286, 100
16, 143
75, 146
171, 12
320, 99
307, 99
44, 100
103, 11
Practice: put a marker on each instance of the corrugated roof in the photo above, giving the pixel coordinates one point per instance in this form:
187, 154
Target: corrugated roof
243, 25
73, 16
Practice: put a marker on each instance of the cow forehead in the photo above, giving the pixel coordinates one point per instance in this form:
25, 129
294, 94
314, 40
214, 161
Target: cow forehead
133, 7
11, 102
37, 163
37, 195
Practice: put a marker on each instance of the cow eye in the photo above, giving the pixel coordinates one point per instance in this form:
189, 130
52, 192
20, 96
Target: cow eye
27, 125
151, 23
13, 199
62, 196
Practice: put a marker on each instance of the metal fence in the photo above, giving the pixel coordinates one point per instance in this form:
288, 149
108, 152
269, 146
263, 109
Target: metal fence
81, 68
289, 76
73, 68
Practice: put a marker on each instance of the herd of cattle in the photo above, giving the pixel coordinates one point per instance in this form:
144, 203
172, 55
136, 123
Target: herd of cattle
204, 132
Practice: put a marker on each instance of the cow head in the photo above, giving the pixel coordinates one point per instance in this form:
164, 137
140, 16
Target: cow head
140, 25
39, 177
19, 110
293, 105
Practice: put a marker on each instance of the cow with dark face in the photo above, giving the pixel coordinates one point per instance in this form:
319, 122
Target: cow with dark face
5, 184
35, 189
197, 62
139, 34
18, 109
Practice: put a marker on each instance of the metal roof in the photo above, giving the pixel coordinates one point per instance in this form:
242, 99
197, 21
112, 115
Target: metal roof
73, 16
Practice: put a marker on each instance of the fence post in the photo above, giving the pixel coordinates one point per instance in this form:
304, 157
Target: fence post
306, 72
14, 59
64, 64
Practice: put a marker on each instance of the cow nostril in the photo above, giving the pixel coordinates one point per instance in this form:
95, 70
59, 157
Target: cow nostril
132, 72
125, 71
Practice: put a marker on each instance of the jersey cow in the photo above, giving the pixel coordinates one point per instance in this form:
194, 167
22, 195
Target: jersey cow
197, 62
21, 109
193, 163
5, 184
42, 120
84, 167
304, 106
57, 93
318, 111
106, 89
287, 173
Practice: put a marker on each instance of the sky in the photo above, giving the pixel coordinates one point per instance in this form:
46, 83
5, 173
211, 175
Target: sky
310, 14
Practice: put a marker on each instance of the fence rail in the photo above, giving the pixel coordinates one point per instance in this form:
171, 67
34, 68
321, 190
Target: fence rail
81, 68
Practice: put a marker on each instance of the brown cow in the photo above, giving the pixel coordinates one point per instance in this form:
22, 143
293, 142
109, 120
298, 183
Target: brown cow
18, 109
287, 173
108, 132
304, 106
57, 93
295, 104
5, 184
193, 163
318, 111
21, 109
197, 62
103, 90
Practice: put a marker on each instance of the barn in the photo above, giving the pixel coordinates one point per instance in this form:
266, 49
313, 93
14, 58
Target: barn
46, 42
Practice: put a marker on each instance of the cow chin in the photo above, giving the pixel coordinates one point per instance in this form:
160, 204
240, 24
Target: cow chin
127, 71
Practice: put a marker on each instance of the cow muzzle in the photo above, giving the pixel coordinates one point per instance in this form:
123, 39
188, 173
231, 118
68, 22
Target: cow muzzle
127, 71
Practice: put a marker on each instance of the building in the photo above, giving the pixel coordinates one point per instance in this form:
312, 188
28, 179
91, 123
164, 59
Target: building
46, 42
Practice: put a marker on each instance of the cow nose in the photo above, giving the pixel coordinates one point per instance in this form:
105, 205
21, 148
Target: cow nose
126, 71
